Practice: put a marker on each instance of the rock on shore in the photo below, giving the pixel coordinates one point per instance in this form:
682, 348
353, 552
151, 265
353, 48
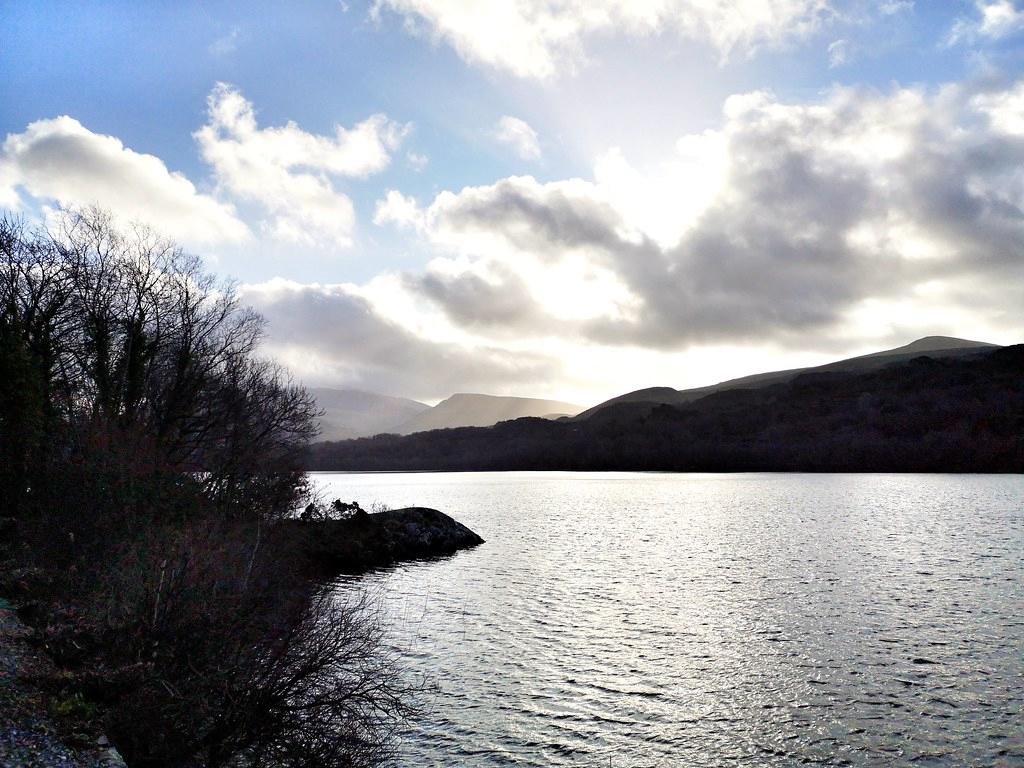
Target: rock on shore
376, 540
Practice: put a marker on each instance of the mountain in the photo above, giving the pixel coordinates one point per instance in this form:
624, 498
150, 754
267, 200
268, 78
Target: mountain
932, 412
472, 410
929, 344
936, 346
350, 413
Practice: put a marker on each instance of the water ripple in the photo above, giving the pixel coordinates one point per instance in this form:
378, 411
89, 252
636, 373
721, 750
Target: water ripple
713, 620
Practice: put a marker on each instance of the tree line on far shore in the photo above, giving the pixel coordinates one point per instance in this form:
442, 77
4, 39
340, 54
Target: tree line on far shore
928, 414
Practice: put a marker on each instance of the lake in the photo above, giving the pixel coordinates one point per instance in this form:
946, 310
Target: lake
620, 619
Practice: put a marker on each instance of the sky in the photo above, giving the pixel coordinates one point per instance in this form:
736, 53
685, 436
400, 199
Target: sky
568, 199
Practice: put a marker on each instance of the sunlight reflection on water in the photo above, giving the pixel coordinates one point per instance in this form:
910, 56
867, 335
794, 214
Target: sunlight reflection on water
621, 619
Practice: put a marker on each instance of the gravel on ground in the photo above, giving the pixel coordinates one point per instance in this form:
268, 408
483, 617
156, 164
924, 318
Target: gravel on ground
29, 738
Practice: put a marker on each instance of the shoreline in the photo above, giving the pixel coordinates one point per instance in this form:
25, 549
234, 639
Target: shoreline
45, 722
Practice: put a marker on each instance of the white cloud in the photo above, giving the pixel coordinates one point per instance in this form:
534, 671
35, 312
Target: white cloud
810, 213
61, 160
892, 7
663, 201
541, 38
399, 210
416, 161
518, 135
838, 53
226, 44
1005, 109
996, 19
659, 202
852, 223
1000, 18
288, 171
9, 197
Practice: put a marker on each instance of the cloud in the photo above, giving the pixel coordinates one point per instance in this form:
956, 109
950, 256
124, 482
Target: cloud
1004, 109
892, 7
9, 197
397, 209
518, 135
492, 299
999, 18
335, 335
288, 172
542, 38
839, 53
62, 160
996, 19
815, 212
226, 44
416, 161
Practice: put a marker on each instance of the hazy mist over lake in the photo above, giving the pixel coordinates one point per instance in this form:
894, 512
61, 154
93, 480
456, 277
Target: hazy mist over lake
654, 620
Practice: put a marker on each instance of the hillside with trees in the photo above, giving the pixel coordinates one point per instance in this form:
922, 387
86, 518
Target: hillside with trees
933, 346
926, 414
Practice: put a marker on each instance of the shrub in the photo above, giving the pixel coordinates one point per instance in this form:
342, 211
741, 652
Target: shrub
147, 453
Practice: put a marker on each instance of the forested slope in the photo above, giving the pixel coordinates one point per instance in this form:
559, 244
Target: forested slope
926, 414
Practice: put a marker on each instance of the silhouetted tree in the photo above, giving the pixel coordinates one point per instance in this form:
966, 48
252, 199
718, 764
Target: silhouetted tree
147, 452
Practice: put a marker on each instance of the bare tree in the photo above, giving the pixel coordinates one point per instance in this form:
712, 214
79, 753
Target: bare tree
156, 451
125, 329
325, 693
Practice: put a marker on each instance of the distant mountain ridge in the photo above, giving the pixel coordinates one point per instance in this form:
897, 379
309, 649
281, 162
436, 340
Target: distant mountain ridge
920, 411
466, 409
353, 413
936, 346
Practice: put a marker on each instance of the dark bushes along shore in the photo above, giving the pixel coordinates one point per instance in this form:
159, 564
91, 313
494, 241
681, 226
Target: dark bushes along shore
148, 463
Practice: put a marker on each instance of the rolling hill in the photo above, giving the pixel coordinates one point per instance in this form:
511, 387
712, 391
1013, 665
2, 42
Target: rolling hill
350, 413
930, 412
936, 346
473, 410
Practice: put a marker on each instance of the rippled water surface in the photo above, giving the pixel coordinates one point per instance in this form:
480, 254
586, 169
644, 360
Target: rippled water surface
704, 620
